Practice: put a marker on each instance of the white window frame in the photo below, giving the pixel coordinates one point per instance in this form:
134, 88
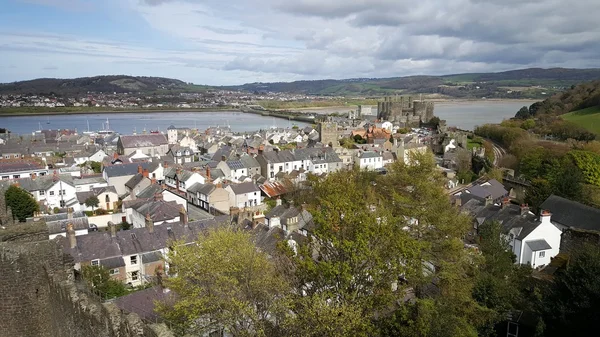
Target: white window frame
135, 275
51, 193
42, 192
542, 254
95, 262
133, 260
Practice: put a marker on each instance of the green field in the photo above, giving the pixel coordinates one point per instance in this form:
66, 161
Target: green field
588, 118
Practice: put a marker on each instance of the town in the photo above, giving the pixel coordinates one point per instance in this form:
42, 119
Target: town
118, 202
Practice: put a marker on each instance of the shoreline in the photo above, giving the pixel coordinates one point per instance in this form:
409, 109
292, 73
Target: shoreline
104, 112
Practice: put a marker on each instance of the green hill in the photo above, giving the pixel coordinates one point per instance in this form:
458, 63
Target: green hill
588, 118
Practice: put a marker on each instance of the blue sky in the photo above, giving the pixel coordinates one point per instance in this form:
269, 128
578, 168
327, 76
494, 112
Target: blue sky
240, 41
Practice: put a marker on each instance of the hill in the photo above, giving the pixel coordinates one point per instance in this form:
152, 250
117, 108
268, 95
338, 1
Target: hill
523, 83
97, 84
588, 118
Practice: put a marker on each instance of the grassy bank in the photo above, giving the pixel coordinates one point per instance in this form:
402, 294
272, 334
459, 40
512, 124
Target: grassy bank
587, 118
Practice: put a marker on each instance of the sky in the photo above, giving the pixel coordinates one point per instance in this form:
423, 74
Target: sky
243, 41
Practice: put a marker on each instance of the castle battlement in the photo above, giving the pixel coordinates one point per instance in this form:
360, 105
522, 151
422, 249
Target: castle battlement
401, 110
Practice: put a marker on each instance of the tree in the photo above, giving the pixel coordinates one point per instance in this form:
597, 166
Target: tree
21, 203
571, 305
99, 280
223, 282
523, 113
96, 166
359, 140
92, 202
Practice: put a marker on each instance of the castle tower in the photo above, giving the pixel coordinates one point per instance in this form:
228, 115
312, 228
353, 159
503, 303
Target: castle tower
329, 135
172, 134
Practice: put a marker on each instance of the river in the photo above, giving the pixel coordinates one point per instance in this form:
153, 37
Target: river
127, 123
463, 114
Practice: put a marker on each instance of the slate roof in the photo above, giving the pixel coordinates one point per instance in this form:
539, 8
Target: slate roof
205, 189
112, 262
142, 303
537, 245
267, 238
131, 183
150, 191
128, 169
490, 188
60, 226
285, 213
318, 155
509, 217
136, 141
83, 196
89, 180
42, 183
243, 188
369, 154
279, 156
159, 210
571, 213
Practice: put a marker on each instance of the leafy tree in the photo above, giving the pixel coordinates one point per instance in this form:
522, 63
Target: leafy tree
523, 113
21, 203
96, 166
223, 281
572, 302
99, 280
359, 140
92, 202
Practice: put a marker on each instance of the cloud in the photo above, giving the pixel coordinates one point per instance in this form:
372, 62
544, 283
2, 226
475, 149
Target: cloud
213, 41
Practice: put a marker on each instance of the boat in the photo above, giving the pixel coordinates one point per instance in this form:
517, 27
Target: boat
106, 129
48, 122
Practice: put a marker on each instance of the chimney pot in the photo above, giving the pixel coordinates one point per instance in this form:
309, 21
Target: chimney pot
149, 223
140, 169
183, 217
145, 173
113, 229
71, 236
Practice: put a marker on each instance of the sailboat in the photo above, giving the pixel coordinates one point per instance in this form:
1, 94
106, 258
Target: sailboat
106, 129
88, 132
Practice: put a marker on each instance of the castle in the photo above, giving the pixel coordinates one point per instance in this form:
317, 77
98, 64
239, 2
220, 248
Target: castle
405, 112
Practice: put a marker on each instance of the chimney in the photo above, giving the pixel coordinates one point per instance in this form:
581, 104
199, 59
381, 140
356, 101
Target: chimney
149, 223
153, 181
115, 155
113, 229
33, 176
458, 202
140, 169
208, 174
223, 158
178, 171
145, 173
278, 202
166, 165
524, 209
69, 213
183, 217
71, 236
158, 196
489, 200
545, 216
505, 203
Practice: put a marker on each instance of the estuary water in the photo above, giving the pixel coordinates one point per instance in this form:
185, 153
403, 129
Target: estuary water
463, 114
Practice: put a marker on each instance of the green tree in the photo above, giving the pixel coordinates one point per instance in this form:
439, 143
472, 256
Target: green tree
359, 140
96, 166
571, 306
223, 281
523, 113
21, 203
92, 202
99, 280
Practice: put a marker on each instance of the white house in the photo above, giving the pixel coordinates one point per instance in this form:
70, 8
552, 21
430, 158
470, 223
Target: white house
97, 156
233, 169
369, 160
244, 195
535, 244
181, 180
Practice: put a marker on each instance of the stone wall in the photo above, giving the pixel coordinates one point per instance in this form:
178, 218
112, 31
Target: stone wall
39, 297
573, 240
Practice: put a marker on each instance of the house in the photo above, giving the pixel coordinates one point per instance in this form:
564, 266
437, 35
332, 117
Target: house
57, 223
180, 179
87, 183
244, 195
571, 214
534, 240
119, 175
133, 256
369, 160
318, 160
138, 183
21, 169
288, 218
181, 155
489, 189
55, 191
152, 145
233, 169
96, 156
273, 162
107, 197
251, 164
209, 197
158, 211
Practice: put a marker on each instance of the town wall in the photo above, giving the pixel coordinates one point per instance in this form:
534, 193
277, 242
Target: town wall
40, 297
405, 111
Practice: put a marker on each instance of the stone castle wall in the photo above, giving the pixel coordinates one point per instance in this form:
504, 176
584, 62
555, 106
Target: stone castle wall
39, 297
405, 111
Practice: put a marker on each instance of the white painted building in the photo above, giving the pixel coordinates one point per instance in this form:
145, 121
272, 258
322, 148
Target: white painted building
369, 160
536, 246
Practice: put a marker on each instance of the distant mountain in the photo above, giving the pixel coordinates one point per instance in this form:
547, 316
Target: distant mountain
523, 83
106, 84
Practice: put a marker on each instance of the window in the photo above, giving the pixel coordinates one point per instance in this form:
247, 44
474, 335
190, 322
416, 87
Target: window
16, 176
95, 262
64, 192
51, 192
42, 192
59, 192
542, 254
255, 193
63, 203
107, 198
114, 271
133, 259
135, 275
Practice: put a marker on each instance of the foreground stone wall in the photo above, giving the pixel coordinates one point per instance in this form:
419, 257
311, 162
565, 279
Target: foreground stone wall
39, 297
